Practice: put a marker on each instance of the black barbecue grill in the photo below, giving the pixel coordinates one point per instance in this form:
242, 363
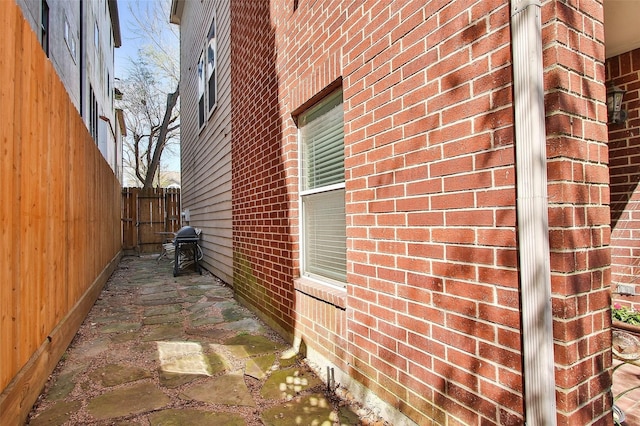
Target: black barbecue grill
187, 249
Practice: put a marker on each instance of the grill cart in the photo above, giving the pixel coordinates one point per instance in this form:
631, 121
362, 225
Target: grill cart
187, 249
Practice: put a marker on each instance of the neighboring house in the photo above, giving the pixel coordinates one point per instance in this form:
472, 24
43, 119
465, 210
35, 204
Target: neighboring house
170, 179
79, 38
205, 128
378, 171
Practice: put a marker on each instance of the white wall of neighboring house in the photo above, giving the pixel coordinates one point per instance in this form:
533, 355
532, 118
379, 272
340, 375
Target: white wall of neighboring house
205, 148
64, 39
82, 36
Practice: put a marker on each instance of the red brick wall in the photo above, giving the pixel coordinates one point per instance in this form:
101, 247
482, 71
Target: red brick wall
624, 170
578, 214
431, 316
430, 202
263, 248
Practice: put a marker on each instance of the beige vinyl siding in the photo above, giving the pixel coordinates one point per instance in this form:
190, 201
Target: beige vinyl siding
206, 153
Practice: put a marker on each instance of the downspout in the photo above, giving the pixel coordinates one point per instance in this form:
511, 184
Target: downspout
532, 213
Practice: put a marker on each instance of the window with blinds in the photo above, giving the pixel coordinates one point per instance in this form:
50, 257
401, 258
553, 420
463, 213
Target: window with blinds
322, 191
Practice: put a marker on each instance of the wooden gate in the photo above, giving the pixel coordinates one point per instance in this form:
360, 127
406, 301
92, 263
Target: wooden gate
149, 217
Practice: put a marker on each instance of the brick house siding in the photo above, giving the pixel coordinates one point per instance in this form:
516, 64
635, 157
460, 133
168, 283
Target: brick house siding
624, 170
262, 220
430, 320
578, 213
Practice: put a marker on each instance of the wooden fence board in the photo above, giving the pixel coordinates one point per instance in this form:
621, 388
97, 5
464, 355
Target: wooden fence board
59, 214
7, 178
148, 214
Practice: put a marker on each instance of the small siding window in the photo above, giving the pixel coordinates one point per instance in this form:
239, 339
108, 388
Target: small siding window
44, 27
93, 114
69, 39
201, 91
322, 191
212, 91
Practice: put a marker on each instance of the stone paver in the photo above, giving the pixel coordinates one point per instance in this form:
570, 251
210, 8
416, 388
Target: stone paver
286, 384
258, 367
229, 389
135, 399
117, 374
310, 410
246, 345
194, 417
163, 350
58, 414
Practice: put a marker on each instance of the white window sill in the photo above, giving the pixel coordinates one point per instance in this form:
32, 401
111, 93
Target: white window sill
331, 295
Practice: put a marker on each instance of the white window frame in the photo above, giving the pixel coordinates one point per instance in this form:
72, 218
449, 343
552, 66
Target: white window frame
202, 90
302, 193
207, 70
96, 35
70, 39
211, 71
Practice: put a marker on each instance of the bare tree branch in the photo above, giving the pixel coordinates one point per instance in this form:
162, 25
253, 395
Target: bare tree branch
151, 109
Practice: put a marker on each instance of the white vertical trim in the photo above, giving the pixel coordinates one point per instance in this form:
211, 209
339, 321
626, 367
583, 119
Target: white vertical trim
532, 213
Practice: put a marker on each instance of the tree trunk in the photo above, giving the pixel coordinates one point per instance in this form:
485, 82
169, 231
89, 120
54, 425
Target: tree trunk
172, 100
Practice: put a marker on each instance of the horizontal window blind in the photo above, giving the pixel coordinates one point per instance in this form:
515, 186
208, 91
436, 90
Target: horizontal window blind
323, 206
325, 239
323, 148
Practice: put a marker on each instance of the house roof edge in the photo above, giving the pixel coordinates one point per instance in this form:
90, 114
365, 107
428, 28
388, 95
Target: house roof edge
175, 14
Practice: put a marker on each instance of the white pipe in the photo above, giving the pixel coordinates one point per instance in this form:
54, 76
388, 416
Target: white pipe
532, 214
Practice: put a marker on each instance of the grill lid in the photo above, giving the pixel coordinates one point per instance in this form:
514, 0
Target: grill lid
187, 233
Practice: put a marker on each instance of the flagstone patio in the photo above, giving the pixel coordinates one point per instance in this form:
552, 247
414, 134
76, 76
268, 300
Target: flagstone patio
162, 350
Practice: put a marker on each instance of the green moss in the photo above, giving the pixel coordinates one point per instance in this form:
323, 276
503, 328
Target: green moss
245, 282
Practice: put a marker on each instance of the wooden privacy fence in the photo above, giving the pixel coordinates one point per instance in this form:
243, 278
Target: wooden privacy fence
149, 216
59, 215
